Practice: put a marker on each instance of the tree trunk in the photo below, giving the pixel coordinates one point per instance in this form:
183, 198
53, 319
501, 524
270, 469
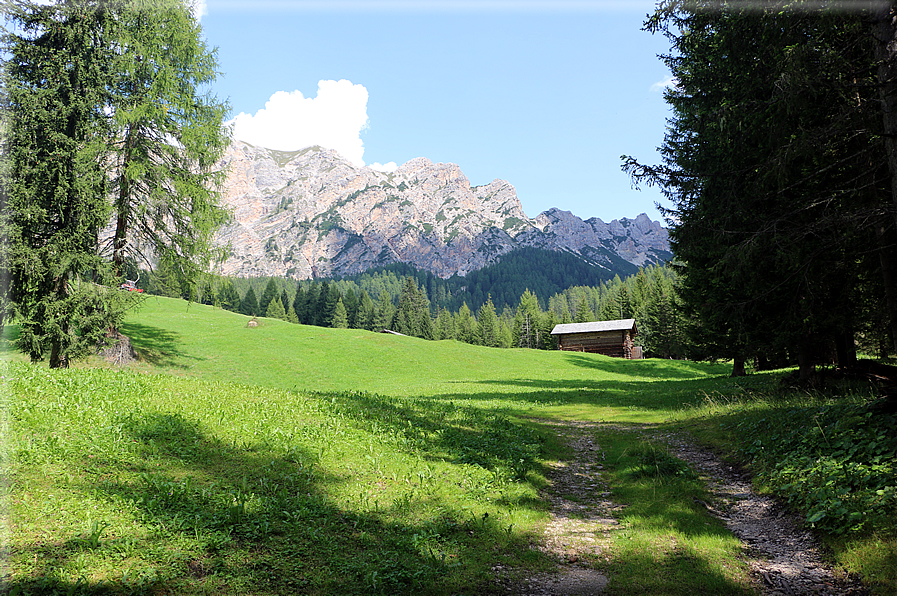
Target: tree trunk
738, 367
884, 31
846, 349
805, 363
122, 209
887, 247
57, 359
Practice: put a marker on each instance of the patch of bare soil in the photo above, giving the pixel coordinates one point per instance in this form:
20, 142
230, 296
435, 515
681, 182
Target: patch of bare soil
785, 558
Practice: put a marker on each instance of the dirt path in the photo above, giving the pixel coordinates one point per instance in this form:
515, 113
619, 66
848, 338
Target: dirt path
581, 519
785, 559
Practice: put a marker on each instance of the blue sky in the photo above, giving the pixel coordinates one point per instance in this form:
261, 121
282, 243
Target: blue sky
544, 95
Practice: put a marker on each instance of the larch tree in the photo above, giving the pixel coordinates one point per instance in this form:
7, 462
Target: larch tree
167, 136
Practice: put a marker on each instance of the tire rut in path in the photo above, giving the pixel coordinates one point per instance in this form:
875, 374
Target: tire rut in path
581, 516
785, 558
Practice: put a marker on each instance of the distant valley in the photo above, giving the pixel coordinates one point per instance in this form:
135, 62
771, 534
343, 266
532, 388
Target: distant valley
312, 214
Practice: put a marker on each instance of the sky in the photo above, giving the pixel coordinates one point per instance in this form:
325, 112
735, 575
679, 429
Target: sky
545, 95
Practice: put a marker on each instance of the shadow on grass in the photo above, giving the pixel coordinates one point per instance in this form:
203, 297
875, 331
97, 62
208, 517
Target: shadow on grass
159, 347
218, 517
649, 395
651, 367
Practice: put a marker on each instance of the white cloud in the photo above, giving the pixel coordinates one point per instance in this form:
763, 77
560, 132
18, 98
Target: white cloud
333, 119
199, 9
384, 167
668, 83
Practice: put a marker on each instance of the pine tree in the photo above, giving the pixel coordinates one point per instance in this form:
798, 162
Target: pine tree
526, 332
54, 204
408, 316
268, 295
228, 297
350, 300
487, 325
366, 311
445, 327
584, 313
167, 137
384, 313
299, 303
465, 325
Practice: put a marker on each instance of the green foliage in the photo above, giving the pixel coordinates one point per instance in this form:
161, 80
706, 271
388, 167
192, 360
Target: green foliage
781, 249
275, 310
54, 201
228, 298
488, 326
104, 102
167, 136
271, 292
340, 317
835, 463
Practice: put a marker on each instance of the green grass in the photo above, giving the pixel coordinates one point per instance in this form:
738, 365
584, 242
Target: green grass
290, 459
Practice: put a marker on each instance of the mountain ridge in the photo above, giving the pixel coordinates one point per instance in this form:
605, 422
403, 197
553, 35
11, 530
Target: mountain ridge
312, 214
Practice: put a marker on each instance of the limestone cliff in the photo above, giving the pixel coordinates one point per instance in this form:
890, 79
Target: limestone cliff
310, 213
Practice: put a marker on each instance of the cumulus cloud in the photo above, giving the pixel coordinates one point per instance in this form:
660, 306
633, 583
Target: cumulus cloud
384, 167
334, 119
668, 83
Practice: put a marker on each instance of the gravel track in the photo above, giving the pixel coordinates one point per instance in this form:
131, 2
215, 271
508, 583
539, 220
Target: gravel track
784, 557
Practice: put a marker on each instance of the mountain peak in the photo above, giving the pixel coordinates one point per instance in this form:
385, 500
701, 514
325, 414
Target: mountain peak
311, 213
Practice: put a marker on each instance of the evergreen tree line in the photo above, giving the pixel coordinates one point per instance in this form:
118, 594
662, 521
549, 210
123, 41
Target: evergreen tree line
649, 296
542, 272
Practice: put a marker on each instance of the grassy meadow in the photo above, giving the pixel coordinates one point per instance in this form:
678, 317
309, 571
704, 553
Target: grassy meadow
286, 459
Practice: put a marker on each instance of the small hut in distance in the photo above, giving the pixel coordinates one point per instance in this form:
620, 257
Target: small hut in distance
611, 338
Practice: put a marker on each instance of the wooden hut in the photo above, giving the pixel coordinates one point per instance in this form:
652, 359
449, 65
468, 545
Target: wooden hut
611, 338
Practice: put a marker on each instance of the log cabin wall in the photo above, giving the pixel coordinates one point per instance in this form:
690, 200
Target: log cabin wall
617, 344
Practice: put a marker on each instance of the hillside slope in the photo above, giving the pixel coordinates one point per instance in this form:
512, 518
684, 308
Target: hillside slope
216, 344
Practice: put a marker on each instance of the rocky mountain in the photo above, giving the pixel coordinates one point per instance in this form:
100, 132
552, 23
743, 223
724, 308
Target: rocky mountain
310, 213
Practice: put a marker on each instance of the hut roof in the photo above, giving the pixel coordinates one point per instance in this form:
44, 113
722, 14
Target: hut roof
594, 327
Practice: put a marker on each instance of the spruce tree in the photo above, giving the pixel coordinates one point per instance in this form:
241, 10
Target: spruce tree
54, 204
365, 317
228, 297
275, 310
249, 305
384, 313
487, 325
465, 325
268, 295
340, 317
